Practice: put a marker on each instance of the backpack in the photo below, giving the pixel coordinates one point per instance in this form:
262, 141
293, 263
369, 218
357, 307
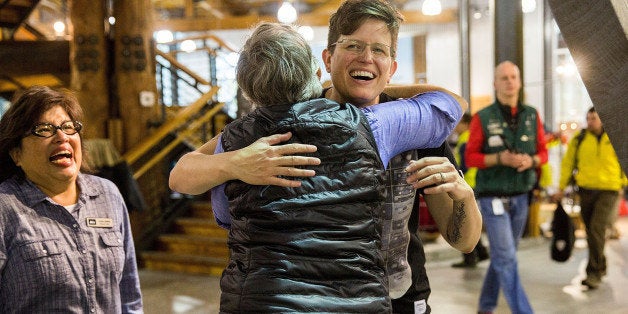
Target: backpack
578, 139
563, 236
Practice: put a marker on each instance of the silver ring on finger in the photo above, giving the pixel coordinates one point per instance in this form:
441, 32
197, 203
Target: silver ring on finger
442, 178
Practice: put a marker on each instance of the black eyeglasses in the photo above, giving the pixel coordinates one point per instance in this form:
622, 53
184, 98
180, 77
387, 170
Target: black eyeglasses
48, 130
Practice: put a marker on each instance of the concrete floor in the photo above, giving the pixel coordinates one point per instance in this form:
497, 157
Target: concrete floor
551, 287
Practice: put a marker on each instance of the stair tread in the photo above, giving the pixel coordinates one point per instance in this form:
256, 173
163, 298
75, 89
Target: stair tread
197, 220
185, 258
191, 237
201, 204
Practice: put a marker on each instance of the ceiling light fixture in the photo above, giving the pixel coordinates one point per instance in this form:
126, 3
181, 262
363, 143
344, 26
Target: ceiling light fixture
164, 36
188, 45
528, 6
59, 28
287, 13
431, 7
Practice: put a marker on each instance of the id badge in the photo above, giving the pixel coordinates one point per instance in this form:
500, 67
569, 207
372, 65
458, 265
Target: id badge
99, 222
498, 206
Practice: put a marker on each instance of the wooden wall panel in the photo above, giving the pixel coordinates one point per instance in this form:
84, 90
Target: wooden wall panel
134, 68
88, 64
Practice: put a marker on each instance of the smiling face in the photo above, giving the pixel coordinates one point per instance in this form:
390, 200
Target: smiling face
359, 78
54, 162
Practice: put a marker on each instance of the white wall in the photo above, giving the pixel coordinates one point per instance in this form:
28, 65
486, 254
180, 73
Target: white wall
533, 55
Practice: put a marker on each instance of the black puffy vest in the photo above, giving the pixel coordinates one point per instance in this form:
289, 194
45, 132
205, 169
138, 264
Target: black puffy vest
315, 248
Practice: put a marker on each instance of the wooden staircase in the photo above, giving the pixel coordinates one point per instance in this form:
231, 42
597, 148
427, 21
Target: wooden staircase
195, 244
13, 13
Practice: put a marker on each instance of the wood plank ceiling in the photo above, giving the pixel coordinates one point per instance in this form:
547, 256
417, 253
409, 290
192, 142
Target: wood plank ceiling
193, 15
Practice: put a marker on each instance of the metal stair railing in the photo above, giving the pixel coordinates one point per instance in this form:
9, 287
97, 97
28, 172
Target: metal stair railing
173, 125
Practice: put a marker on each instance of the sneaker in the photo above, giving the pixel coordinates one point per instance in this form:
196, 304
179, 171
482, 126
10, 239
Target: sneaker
613, 233
482, 252
464, 264
482, 256
591, 283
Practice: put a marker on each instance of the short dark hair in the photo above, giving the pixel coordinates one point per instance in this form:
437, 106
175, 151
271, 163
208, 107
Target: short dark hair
353, 13
25, 111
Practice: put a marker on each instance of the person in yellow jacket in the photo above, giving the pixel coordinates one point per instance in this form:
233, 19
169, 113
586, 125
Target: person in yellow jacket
479, 253
599, 177
463, 136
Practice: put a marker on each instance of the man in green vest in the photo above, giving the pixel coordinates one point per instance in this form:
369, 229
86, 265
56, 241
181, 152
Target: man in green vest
506, 144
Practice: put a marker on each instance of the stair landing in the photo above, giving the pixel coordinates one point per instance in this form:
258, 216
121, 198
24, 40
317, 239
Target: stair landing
195, 244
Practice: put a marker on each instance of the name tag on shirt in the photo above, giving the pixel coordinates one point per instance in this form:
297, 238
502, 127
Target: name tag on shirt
100, 222
495, 141
498, 206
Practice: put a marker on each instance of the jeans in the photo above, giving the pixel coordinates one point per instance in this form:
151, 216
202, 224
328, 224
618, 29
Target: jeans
504, 229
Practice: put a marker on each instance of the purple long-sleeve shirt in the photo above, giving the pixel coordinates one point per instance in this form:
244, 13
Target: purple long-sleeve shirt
422, 121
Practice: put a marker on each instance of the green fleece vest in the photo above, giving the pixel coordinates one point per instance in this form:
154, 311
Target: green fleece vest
502, 132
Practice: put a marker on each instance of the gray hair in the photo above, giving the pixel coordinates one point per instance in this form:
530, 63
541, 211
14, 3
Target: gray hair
276, 66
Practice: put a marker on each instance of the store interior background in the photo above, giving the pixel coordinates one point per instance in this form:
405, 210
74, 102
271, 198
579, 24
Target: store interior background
428, 52
551, 84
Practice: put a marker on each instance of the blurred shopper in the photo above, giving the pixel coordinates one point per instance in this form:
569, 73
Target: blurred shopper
592, 162
479, 253
506, 144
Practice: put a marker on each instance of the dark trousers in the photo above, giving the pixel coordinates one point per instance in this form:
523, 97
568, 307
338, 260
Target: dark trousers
596, 210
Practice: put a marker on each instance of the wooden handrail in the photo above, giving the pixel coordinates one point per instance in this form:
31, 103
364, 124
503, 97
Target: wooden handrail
220, 42
183, 117
180, 137
182, 67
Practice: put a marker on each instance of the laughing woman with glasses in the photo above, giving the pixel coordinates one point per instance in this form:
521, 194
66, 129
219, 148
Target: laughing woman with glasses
65, 238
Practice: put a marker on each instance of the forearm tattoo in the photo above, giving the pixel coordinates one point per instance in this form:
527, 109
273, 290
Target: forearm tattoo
459, 216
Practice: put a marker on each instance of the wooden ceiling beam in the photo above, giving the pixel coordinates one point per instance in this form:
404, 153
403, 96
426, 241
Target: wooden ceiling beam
19, 58
319, 17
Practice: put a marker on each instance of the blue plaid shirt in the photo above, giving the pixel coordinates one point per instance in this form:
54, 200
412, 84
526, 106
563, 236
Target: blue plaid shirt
54, 260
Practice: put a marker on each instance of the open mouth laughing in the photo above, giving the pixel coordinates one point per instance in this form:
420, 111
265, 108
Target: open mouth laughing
362, 75
60, 156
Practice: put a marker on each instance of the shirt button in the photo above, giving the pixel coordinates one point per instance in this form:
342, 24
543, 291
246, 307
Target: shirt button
93, 310
75, 226
45, 251
119, 241
90, 280
84, 251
